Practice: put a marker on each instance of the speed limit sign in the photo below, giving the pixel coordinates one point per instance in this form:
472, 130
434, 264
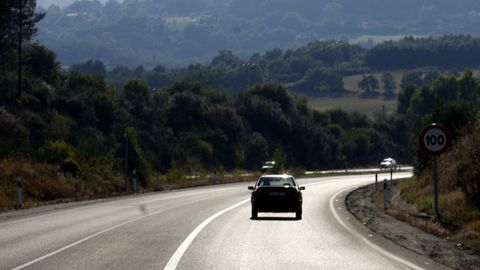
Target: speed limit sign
434, 139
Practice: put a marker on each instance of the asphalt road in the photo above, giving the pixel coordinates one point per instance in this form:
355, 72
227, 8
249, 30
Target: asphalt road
203, 228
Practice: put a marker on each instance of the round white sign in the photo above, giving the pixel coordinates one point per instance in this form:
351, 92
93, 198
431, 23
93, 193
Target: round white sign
434, 139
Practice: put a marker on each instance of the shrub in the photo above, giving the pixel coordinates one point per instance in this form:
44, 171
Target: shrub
460, 165
296, 171
175, 176
56, 151
71, 167
456, 211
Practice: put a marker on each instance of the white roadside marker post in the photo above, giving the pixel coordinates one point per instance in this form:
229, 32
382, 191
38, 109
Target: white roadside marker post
19, 184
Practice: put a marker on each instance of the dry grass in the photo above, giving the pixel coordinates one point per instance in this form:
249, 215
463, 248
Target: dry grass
41, 182
353, 104
474, 225
459, 190
410, 217
176, 179
45, 184
460, 221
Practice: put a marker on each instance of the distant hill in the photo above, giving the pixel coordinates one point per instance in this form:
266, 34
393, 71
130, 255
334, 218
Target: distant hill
151, 32
63, 3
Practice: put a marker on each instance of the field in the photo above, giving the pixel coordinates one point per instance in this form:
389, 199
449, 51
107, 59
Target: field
351, 82
353, 104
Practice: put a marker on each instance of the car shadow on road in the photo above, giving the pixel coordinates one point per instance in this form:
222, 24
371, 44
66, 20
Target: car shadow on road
275, 218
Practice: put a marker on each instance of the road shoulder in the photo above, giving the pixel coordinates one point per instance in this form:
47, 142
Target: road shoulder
359, 202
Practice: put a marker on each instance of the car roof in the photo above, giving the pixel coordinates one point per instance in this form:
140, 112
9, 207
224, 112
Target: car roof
277, 176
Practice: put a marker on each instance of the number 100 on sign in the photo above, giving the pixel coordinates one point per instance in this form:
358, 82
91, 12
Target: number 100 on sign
434, 139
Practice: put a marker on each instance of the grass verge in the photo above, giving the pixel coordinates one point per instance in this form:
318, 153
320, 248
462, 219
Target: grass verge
411, 201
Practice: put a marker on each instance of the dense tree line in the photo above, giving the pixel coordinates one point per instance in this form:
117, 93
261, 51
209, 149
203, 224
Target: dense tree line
78, 120
446, 52
186, 125
316, 69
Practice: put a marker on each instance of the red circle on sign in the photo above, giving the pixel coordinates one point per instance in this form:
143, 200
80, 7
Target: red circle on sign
434, 139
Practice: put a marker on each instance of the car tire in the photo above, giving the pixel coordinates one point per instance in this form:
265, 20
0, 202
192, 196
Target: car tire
254, 213
298, 214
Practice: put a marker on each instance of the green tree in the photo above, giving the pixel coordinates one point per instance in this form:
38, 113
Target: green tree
41, 63
256, 152
91, 67
137, 100
18, 19
141, 164
389, 85
369, 84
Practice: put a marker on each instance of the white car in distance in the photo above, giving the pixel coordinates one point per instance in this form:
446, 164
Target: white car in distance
388, 163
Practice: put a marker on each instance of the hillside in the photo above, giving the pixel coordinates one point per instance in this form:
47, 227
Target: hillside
152, 32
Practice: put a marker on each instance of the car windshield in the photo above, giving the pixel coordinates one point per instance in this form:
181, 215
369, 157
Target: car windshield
276, 181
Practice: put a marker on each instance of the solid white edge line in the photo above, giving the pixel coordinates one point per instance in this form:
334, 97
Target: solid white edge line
172, 263
83, 240
175, 259
369, 243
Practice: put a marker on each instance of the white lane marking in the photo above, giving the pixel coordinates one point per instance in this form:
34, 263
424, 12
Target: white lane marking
175, 259
176, 256
173, 262
368, 242
85, 239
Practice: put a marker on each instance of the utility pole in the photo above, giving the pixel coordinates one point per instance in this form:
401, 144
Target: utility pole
20, 37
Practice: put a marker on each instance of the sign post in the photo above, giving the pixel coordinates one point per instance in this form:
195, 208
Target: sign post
434, 140
128, 152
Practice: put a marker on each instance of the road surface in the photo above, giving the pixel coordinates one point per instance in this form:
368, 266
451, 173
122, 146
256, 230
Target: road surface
203, 228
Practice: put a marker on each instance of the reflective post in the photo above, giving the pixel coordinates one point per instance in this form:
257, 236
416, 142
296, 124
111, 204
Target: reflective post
215, 176
376, 181
134, 181
385, 194
126, 162
19, 184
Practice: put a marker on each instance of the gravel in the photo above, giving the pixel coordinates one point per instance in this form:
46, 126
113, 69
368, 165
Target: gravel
442, 251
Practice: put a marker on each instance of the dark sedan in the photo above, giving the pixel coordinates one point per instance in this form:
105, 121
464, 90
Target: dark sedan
277, 194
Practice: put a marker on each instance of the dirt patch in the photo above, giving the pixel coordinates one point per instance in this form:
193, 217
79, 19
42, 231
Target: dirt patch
364, 204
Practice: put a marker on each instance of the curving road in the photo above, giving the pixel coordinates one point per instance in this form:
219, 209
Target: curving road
203, 228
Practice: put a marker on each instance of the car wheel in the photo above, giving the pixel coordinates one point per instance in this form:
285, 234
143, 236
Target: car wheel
254, 213
298, 214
